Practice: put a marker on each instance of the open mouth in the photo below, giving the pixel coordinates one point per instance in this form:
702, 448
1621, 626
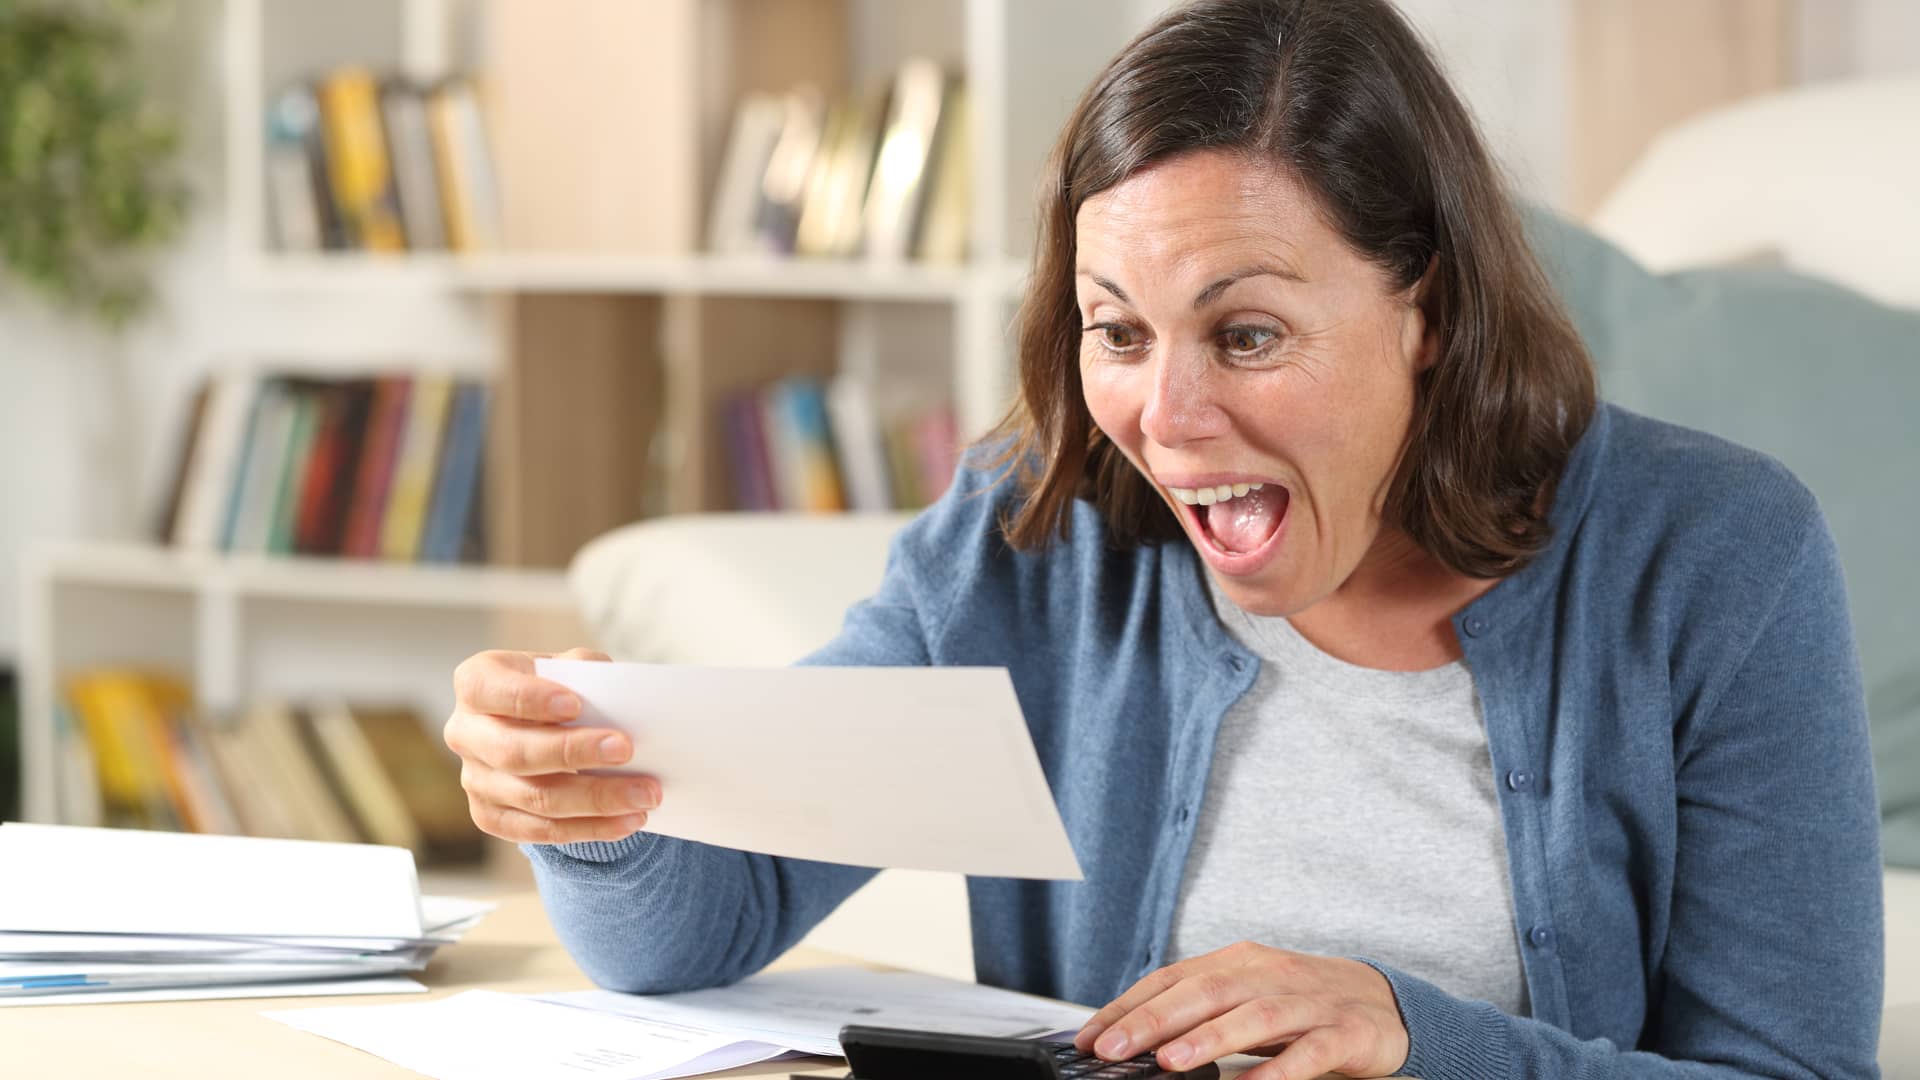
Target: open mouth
1237, 519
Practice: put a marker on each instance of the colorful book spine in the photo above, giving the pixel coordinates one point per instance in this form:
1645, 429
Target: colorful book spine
459, 475
386, 424
293, 469
358, 168
413, 471
805, 405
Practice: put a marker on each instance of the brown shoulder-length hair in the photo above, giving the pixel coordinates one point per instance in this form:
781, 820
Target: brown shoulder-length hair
1343, 96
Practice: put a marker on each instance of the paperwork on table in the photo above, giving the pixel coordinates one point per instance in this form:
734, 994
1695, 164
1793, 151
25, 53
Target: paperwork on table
120, 915
481, 1035
930, 768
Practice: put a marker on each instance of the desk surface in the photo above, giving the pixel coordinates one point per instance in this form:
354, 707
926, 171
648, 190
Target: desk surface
513, 950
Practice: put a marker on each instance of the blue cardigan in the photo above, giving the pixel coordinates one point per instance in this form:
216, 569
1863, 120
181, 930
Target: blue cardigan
1675, 722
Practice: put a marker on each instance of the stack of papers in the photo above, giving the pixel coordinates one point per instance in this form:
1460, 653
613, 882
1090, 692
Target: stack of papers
482, 1035
98, 915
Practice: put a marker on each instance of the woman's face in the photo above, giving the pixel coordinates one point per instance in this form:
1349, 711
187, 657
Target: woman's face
1234, 344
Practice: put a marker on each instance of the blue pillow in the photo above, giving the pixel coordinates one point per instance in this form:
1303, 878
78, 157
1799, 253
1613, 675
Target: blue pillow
1816, 375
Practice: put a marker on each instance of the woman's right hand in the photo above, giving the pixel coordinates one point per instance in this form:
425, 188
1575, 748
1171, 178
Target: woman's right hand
521, 769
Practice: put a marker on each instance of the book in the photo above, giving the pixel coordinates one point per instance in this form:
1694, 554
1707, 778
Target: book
308, 400
752, 474
358, 171
386, 421
463, 159
459, 474
783, 186
331, 468
214, 471
734, 218
299, 199
862, 451
168, 525
900, 172
413, 468
830, 220
427, 776
353, 769
810, 436
294, 770
246, 773
947, 214
403, 112
936, 442
250, 519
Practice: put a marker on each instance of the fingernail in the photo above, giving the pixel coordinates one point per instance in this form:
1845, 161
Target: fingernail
1112, 1045
612, 750
1177, 1055
641, 794
564, 706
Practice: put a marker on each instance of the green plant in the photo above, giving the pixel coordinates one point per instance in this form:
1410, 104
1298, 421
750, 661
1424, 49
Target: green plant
87, 181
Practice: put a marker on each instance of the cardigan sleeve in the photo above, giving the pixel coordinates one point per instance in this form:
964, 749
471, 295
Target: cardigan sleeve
1773, 963
655, 914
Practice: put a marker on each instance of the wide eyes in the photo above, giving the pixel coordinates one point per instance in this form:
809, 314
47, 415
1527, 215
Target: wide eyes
1237, 342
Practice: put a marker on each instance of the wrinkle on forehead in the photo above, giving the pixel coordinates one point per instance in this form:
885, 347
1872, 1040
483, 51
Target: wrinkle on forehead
1196, 217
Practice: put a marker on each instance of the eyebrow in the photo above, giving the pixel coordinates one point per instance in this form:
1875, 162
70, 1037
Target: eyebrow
1213, 291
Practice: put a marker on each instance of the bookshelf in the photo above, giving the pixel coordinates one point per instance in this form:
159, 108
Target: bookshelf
1023, 65
610, 360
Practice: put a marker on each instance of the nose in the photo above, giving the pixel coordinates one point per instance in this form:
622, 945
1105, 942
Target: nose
1182, 403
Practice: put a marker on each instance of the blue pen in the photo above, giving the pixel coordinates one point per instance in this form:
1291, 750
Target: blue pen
44, 982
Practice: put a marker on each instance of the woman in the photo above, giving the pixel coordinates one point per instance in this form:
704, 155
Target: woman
1407, 709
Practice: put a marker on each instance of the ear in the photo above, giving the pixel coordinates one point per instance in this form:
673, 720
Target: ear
1423, 319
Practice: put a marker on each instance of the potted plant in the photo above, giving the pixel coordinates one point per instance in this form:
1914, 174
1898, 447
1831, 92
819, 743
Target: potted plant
87, 178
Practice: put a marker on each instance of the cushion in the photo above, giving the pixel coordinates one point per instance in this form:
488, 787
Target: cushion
1822, 378
1744, 178
728, 589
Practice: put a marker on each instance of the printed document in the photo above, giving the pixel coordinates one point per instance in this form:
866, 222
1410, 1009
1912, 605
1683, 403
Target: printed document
928, 768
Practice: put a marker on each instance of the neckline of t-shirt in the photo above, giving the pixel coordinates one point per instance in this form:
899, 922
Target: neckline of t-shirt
1274, 639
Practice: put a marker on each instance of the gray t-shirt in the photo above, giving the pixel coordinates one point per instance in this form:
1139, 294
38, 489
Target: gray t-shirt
1351, 812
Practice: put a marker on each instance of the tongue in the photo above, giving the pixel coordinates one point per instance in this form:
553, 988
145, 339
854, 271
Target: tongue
1243, 524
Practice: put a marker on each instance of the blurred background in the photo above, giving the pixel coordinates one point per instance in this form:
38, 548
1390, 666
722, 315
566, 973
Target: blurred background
333, 331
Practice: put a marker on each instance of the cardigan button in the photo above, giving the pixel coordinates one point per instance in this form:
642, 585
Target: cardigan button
1541, 936
1520, 780
1474, 625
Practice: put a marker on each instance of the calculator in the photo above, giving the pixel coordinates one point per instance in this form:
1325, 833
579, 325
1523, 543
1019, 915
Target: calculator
877, 1053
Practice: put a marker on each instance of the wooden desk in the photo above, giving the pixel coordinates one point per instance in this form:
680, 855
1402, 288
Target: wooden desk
513, 950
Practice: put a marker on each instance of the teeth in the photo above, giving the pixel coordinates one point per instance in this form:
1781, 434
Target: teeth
1207, 496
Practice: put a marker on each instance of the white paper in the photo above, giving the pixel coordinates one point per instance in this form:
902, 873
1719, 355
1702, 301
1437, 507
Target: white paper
483, 1035
81, 880
804, 1009
390, 984
924, 767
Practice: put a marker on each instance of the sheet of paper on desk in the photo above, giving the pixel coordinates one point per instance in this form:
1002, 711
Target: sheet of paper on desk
804, 1009
126, 881
928, 768
482, 1035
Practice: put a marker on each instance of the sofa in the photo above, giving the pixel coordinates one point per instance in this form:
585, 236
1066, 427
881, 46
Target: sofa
1803, 365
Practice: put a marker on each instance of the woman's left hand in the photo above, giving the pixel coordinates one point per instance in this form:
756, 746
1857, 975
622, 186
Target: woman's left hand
1312, 1014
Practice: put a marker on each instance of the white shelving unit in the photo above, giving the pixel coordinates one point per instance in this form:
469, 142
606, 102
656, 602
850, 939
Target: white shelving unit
247, 625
